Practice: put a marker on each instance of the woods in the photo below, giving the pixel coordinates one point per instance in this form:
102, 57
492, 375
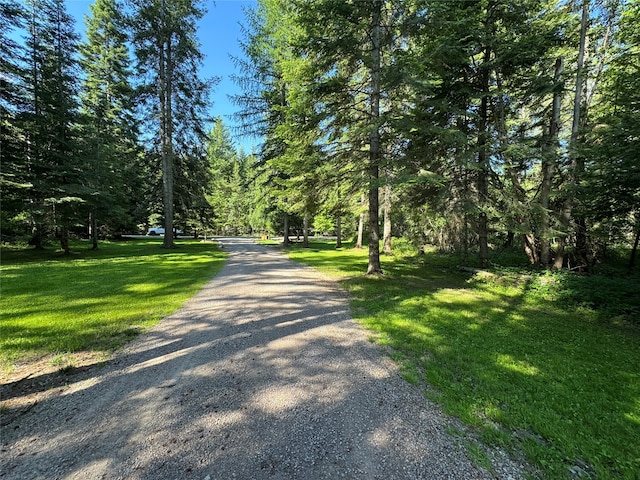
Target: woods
472, 126
481, 119
93, 141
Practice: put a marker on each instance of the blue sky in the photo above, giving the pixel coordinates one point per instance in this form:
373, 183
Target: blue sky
219, 37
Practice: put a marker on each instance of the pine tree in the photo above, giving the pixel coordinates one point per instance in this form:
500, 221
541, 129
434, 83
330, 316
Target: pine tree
351, 46
611, 183
474, 75
14, 178
164, 37
51, 88
265, 105
110, 127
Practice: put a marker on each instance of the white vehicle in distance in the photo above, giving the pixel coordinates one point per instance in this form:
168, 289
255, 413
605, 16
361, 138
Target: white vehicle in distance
159, 231
155, 231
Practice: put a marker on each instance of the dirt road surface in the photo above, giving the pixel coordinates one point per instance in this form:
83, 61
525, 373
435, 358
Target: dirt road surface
262, 375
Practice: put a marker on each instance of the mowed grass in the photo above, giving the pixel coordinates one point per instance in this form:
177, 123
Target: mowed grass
509, 355
94, 300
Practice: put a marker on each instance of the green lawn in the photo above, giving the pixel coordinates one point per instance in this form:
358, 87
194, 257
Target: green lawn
548, 365
94, 300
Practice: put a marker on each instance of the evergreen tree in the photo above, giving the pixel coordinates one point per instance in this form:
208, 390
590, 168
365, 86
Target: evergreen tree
110, 126
351, 45
264, 103
14, 178
164, 37
473, 67
611, 182
51, 88
231, 192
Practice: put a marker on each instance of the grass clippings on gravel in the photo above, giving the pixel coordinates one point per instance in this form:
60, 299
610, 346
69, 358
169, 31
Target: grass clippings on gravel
94, 301
514, 359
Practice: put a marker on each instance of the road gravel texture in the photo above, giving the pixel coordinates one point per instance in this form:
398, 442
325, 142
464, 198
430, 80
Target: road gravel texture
262, 375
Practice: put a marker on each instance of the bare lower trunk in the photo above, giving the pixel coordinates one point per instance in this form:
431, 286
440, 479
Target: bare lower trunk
565, 220
374, 142
386, 235
361, 223
582, 242
530, 248
93, 230
285, 240
36, 237
374, 266
339, 232
305, 231
64, 240
508, 242
634, 250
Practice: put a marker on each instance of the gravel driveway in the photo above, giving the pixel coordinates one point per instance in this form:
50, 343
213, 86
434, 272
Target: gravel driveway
262, 375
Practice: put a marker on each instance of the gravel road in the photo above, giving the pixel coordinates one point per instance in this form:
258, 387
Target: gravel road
262, 375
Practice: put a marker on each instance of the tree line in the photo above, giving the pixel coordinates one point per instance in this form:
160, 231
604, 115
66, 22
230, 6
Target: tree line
471, 125
105, 135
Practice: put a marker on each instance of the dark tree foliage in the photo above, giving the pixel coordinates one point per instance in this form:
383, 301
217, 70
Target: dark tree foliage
49, 120
14, 175
110, 131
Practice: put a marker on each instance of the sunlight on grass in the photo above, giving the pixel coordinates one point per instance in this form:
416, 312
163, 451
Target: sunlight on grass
512, 356
518, 366
94, 300
144, 287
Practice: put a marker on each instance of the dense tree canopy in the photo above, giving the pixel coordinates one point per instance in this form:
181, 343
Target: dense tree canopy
483, 122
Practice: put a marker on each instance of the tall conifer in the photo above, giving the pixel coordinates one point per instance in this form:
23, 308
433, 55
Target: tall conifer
169, 59
110, 126
51, 88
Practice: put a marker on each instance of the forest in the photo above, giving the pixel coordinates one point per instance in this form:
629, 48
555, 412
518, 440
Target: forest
470, 126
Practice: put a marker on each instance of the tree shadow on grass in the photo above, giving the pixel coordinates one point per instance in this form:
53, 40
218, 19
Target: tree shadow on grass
551, 381
270, 381
66, 306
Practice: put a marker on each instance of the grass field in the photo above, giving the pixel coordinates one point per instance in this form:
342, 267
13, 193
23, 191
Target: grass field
547, 365
94, 300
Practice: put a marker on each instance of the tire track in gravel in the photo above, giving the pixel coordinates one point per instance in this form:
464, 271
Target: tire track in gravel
262, 375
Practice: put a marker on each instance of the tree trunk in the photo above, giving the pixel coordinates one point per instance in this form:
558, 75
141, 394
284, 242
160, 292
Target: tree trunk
386, 208
36, 236
483, 166
166, 132
530, 248
577, 164
305, 231
93, 230
374, 267
361, 222
285, 240
64, 240
634, 250
339, 232
508, 242
548, 167
465, 213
